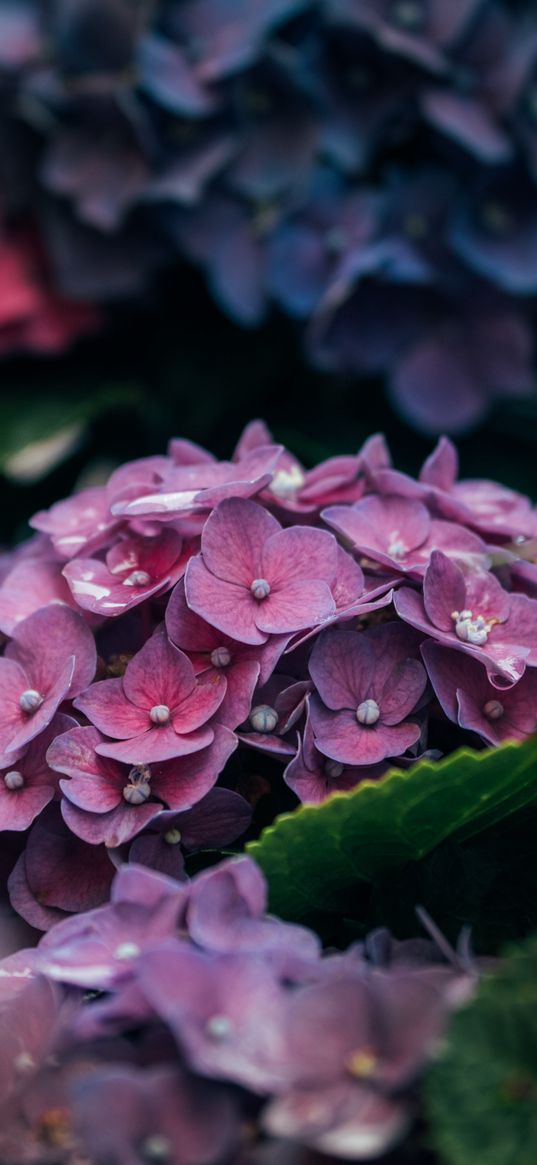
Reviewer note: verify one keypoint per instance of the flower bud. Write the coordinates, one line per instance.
(263, 718)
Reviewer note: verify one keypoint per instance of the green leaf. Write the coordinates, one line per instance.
(38, 429)
(481, 1098)
(315, 858)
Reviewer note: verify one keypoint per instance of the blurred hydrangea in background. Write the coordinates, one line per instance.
(368, 167)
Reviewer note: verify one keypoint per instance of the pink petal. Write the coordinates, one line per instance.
(186, 629)
(105, 704)
(227, 606)
(114, 828)
(403, 690)
(158, 674)
(185, 780)
(295, 606)
(29, 586)
(444, 591)
(339, 736)
(233, 539)
(19, 808)
(242, 678)
(94, 589)
(32, 725)
(157, 745)
(202, 702)
(341, 667)
(299, 553)
(43, 643)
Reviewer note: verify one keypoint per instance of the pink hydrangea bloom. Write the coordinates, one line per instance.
(50, 658)
(254, 579)
(158, 710)
(29, 783)
(109, 801)
(135, 569)
(81, 524)
(399, 533)
(212, 653)
(31, 583)
(186, 489)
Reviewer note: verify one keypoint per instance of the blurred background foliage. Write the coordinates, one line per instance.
(176, 366)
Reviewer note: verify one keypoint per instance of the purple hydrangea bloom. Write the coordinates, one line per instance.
(159, 1112)
(468, 697)
(97, 948)
(367, 684)
(218, 819)
(349, 1067)
(57, 874)
(314, 777)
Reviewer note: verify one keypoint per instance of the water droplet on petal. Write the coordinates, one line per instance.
(137, 578)
(127, 950)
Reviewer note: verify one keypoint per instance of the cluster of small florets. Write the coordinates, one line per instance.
(339, 620)
(353, 161)
(182, 1025)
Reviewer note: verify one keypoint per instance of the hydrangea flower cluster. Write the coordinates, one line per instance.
(185, 1026)
(352, 161)
(166, 631)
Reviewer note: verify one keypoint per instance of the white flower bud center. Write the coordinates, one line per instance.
(218, 1027)
(260, 589)
(160, 714)
(408, 13)
(333, 769)
(263, 718)
(220, 657)
(31, 700)
(368, 712)
(13, 780)
(156, 1148)
(172, 837)
(286, 482)
(137, 578)
(396, 547)
(138, 788)
(127, 950)
(470, 628)
(493, 710)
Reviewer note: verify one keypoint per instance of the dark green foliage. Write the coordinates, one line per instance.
(482, 1096)
(318, 858)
